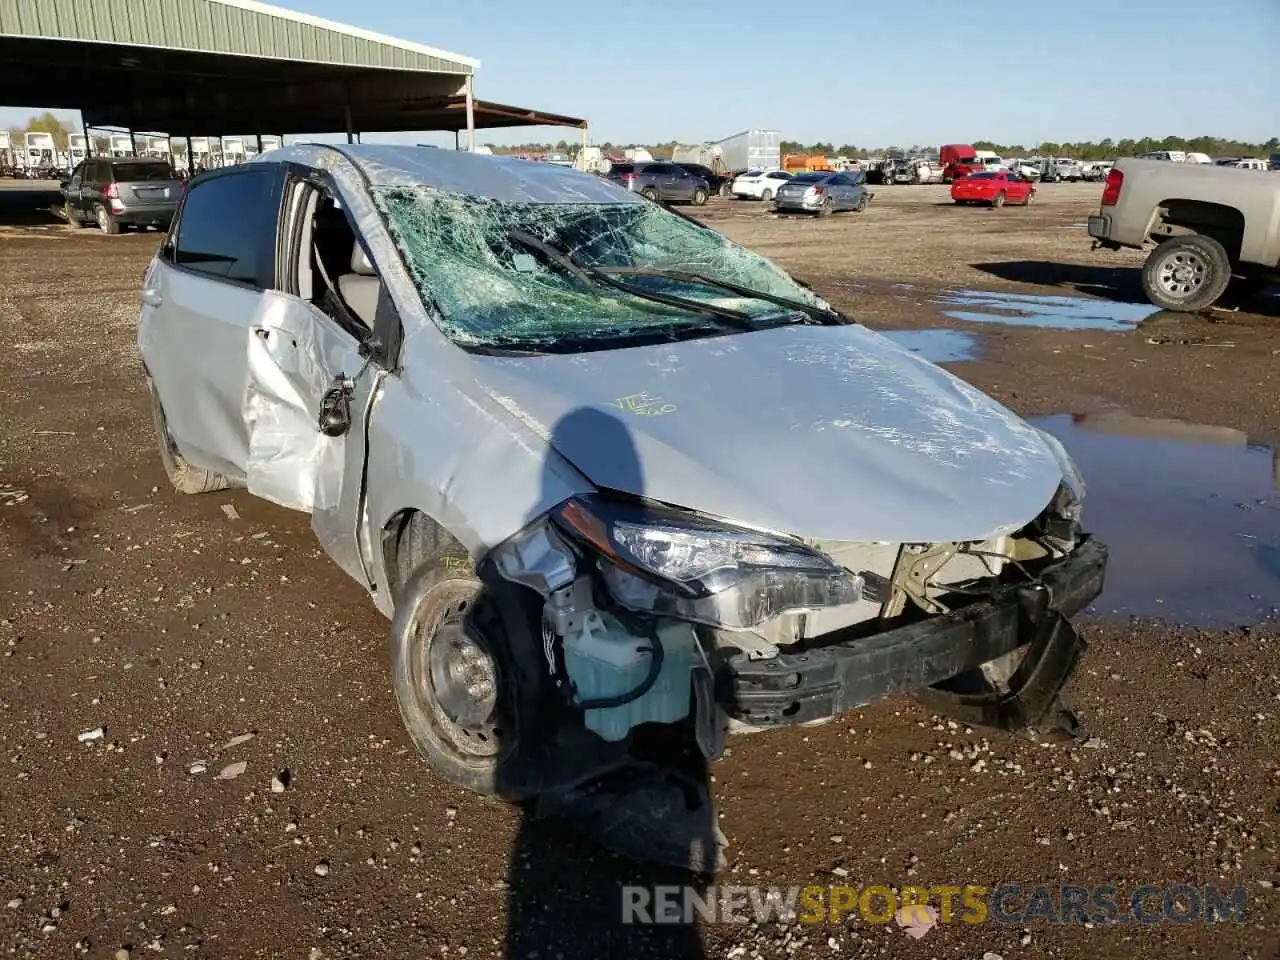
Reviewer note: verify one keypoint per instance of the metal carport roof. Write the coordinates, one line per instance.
(213, 66)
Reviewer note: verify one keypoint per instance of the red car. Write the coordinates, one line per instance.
(994, 187)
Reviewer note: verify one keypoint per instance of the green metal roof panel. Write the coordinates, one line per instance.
(241, 27)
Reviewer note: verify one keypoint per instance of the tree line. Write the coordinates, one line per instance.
(1083, 150)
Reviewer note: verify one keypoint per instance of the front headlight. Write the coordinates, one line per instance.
(663, 561)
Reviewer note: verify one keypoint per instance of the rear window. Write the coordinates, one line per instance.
(982, 176)
(810, 177)
(751, 173)
(133, 172)
(623, 168)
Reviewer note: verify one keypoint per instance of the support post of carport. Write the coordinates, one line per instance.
(457, 144)
(471, 113)
(190, 167)
(346, 112)
(259, 136)
(88, 140)
(133, 143)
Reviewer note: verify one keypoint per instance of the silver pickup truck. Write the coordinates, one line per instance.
(1209, 224)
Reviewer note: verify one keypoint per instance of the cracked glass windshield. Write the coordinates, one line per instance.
(545, 276)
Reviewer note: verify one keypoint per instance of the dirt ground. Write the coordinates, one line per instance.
(178, 625)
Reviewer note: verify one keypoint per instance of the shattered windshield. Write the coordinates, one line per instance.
(469, 263)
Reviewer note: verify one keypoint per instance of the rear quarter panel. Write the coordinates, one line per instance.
(1149, 184)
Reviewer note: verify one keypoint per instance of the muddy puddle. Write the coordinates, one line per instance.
(1191, 514)
(936, 346)
(1043, 310)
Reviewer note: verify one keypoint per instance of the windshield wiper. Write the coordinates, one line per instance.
(822, 315)
(595, 276)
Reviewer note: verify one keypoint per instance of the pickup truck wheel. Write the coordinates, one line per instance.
(453, 679)
(184, 477)
(726, 191)
(998, 200)
(1186, 273)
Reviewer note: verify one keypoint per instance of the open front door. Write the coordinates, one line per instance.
(314, 370)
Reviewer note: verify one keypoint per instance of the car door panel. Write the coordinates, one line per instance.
(192, 335)
(294, 354)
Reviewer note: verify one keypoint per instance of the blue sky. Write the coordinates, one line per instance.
(899, 72)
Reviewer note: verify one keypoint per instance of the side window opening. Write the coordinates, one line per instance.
(226, 228)
(333, 271)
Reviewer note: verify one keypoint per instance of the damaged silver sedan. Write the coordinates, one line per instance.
(606, 472)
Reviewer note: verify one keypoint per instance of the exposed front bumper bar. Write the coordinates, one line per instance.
(823, 682)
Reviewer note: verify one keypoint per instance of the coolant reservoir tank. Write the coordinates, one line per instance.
(604, 659)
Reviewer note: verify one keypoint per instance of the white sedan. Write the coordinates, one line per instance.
(759, 184)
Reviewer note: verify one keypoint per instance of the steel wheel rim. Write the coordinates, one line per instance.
(456, 682)
(1182, 273)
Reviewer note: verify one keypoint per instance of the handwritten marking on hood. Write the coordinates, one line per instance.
(644, 405)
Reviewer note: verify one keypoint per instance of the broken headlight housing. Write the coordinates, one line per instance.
(1070, 495)
(668, 562)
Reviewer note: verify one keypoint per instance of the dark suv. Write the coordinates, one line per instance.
(113, 192)
(719, 183)
(661, 181)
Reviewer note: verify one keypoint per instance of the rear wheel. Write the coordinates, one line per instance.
(649, 193)
(726, 191)
(106, 222)
(184, 477)
(71, 216)
(999, 199)
(861, 204)
(1186, 273)
(767, 195)
(699, 197)
(827, 208)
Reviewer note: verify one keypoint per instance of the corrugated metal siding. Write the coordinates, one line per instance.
(210, 27)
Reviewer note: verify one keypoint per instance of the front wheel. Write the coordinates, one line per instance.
(453, 683)
(1186, 273)
(999, 200)
(699, 197)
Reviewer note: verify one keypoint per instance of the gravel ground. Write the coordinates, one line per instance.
(204, 756)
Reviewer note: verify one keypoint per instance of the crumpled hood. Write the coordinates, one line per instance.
(827, 433)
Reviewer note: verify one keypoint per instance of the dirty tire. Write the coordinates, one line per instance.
(699, 197)
(106, 222)
(72, 219)
(862, 204)
(439, 654)
(184, 477)
(1186, 273)
(767, 195)
(827, 208)
(999, 199)
(649, 194)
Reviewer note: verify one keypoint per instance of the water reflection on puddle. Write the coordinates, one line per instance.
(1191, 514)
(936, 346)
(1038, 310)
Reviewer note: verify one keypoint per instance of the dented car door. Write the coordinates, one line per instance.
(199, 299)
